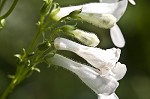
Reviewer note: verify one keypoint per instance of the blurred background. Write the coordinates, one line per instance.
(58, 83)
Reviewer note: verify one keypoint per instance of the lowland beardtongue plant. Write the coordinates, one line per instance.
(103, 70)
(104, 15)
(103, 77)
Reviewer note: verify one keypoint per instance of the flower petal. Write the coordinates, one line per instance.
(132, 2)
(112, 96)
(99, 8)
(117, 36)
(64, 11)
(108, 1)
(115, 8)
(119, 70)
(121, 8)
(99, 84)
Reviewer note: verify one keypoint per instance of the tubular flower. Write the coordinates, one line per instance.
(104, 60)
(104, 15)
(102, 77)
(104, 85)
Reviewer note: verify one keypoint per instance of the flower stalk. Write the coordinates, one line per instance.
(27, 63)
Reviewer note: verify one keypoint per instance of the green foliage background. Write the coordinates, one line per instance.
(57, 83)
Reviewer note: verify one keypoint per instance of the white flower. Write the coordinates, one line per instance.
(87, 38)
(104, 15)
(96, 13)
(104, 60)
(103, 77)
(105, 85)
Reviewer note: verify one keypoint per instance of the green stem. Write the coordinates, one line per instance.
(22, 70)
(8, 90)
(19, 77)
(36, 35)
(10, 10)
(2, 5)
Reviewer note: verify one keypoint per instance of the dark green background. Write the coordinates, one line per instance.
(57, 83)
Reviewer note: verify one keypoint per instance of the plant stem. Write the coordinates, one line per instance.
(19, 77)
(23, 70)
(10, 10)
(36, 35)
(2, 3)
(8, 90)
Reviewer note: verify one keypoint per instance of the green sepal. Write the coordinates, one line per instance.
(19, 57)
(75, 14)
(22, 57)
(68, 28)
(46, 7)
(55, 10)
(49, 55)
(44, 45)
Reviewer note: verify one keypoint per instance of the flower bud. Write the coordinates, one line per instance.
(68, 28)
(100, 20)
(75, 14)
(89, 39)
(3, 22)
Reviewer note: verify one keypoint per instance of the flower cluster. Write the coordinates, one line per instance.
(104, 15)
(105, 70)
